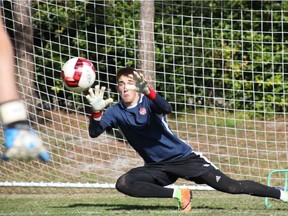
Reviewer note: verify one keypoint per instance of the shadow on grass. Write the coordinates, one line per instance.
(117, 207)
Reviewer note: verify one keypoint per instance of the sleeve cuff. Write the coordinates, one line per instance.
(12, 111)
(97, 116)
(152, 94)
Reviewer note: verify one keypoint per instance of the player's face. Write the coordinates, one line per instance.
(129, 97)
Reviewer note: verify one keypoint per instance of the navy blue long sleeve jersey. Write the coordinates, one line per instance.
(145, 129)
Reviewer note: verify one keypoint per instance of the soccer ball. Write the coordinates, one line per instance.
(78, 74)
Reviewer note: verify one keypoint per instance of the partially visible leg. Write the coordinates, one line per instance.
(219, 181)
(140, 183)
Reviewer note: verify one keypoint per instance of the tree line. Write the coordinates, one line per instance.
(234, 50)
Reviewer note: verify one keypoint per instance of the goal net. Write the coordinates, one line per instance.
(221, 64)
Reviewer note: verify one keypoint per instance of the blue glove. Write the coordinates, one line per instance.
(23, 143)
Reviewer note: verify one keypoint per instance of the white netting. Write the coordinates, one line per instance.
(221, 64)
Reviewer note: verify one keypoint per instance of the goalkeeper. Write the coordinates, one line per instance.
(20, 140)
(141, 117)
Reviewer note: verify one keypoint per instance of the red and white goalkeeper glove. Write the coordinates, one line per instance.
(21, 141)
(142, 86)
(97, 102)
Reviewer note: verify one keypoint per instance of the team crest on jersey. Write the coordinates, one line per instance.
(142, 111)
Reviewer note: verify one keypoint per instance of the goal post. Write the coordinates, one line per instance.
(221, 64)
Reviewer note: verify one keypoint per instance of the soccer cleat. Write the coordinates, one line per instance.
(184, 201)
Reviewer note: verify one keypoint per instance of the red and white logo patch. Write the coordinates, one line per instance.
(142, 111)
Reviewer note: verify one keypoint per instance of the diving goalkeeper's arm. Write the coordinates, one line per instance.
(160, 105)
(98, 104)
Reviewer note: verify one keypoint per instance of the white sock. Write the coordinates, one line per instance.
(176, 193)
(284, 196)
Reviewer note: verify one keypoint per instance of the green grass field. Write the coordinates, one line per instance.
(204, 203)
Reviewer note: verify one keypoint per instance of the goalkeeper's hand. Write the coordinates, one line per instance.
(141, 84)
(96, 100)
(21, 141)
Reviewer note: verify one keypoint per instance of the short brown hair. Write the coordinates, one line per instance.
(125, 72)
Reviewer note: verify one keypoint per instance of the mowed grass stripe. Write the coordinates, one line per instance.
(204, 203)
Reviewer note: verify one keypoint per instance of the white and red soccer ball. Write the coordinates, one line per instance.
(78, 74)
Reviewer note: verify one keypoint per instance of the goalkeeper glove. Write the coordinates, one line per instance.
(142, 86)
(97, 102)
(21, 141)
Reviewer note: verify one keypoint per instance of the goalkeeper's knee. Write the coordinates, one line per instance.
(121, 184)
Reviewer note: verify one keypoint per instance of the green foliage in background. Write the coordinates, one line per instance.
(244, 64)
(224, 56)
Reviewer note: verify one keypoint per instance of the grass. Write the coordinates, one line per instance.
(204, 203)
(246, 141)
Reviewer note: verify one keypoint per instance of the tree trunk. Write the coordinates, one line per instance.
(24, 54)
(146, 41)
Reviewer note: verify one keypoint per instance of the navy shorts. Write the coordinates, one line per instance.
(167, 172)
